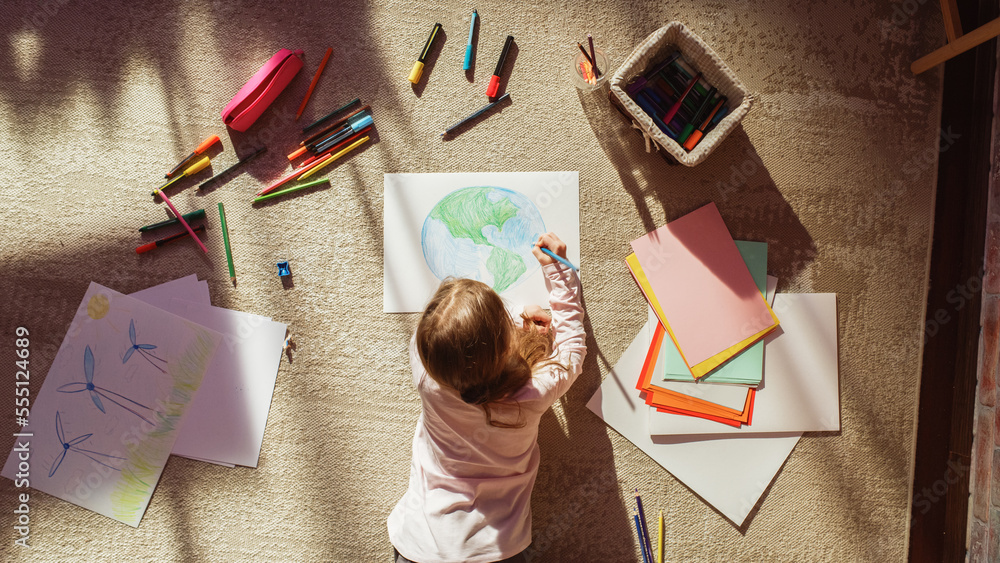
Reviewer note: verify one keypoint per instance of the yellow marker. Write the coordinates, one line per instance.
(333, 157)
(418, 67)
(190, 171)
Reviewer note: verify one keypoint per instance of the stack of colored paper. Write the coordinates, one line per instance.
(708, 293)
(725, 385)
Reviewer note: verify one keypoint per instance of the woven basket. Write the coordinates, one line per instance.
(656, 47)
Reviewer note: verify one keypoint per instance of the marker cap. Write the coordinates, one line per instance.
(468, 57)
(418, 69)
(491, 91)
(691, 141)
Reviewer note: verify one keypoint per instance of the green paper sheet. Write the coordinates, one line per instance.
(747, 367)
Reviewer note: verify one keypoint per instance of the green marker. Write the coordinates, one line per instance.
(689, 128)
(200, 214)
(225, 239)
(290, 190)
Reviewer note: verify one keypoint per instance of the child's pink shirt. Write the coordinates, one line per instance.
(469, 498)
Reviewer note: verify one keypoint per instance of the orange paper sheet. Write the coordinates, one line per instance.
(666, 400)
(694, 278)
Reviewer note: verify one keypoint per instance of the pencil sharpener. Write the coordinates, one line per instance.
(283, 269)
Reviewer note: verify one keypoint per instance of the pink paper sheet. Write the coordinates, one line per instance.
(702, 284)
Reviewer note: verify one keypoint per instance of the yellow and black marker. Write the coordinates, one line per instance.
(418, 67)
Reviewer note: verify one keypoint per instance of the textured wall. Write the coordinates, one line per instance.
(834, 167)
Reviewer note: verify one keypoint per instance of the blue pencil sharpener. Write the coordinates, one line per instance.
(283, 269)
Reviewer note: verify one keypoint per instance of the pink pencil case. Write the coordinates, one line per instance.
(257, 94)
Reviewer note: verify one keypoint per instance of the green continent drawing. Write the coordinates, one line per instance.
(506, 268)
(484, 233)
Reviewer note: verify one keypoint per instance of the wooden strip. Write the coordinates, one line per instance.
(972, 39)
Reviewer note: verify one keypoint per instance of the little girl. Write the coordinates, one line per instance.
(475, 449)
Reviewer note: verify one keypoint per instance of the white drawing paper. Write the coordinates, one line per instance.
(801, 387)
(729, 473)
(106, 417)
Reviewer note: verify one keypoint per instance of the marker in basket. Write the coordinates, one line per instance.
(696, 135)
(491, 90)
(689, 128)
(680, 100)
(418, 67)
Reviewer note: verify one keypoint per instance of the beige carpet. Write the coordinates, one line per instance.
(834, 167)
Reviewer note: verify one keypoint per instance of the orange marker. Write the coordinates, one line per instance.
(312, 84)
(201, 148)
(696, 135)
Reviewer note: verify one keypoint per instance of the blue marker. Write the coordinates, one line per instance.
(564, 261)
(468, 47)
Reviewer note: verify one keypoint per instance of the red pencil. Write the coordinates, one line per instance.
(312, 84)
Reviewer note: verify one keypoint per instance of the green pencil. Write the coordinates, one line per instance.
(225, 238)
(287, 191)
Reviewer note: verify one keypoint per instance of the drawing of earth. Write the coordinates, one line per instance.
(483, 233)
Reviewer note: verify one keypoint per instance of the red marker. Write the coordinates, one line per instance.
(147, 247)
(491, 91)
(677, 105)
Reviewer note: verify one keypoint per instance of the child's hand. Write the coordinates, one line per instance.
(553, 243)
(537, 318)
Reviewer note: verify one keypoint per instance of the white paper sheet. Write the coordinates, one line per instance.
(729, 473)
(420, 248)
(228, 416)
(801, 387)
(772, 288)
(106, 417)
(187, 287)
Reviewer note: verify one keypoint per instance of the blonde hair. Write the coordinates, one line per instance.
(467, 341)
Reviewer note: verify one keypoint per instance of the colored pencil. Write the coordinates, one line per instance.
(316, 123)
(555, 256)
(181, 219)
(478, 112)
(585, 53)
(333, 157)
(158, 243)
(638, 531)
(239, 163)
(287, 191)
(200, 214)
(593, 56)
(312, 84)
(659, 543)
(225, 239)
(642, 520)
